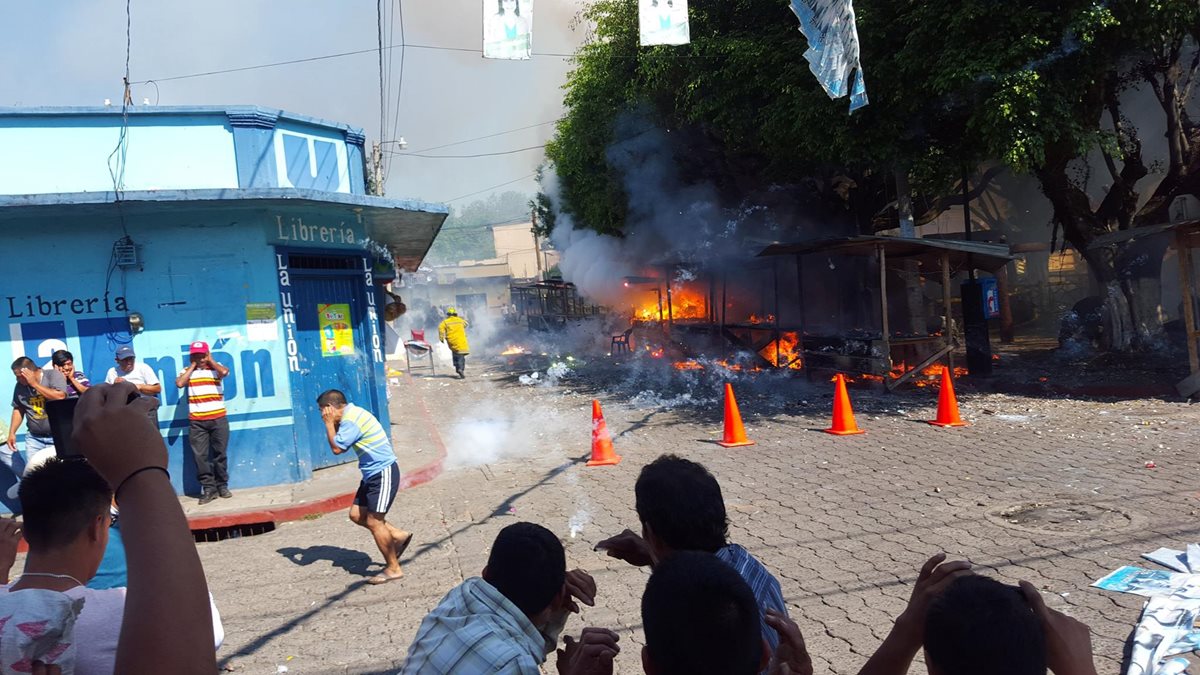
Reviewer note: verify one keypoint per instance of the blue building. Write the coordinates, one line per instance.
(245, 227)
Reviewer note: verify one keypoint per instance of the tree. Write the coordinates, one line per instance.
(1034, 86)
(466, 234)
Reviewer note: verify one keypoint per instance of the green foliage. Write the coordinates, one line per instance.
(467, 235)
(952, 83)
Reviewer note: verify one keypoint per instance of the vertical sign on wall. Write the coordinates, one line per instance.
(372, 316)
(664, 22)
(289, 316)
(507, 29)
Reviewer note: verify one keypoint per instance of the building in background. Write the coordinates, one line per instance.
(245, 227)
(483, 285)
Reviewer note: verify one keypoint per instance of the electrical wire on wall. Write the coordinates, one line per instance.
(116, 170)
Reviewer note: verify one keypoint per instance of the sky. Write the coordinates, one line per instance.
(72, 52)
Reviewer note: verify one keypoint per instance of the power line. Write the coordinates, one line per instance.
(487, 189)
(383, 91)
(557, 55)
(480, 138)
(485, 154)
(399, 83)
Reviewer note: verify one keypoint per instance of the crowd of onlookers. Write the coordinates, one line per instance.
(709, 606)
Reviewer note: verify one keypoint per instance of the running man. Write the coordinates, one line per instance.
(453, 332)
(349, 426)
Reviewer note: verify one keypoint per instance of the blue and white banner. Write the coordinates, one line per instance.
(508, 29)
(663, 22)
(833, 54)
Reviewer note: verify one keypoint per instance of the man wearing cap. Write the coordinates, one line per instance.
(208, 427)
(140, 375)
(453, 332)
(129, 370)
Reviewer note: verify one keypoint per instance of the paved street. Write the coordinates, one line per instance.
(843, 522)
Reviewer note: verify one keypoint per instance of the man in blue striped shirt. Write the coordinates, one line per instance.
(347, 427)
(680, 505)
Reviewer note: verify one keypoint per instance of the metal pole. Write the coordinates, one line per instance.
(967, 220)
(1184, 255)
(775, 282)
(947, 330)
(883, 303)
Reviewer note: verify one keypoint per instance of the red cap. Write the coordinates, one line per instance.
(199, 347)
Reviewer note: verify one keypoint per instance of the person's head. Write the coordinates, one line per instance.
(24, 368)
(979, 626)
(450, 311)
(64, 505)
(506, 6)
(125, 358)
(680, 505)
(700, 617)
(529, 567)
(332, 400)
(64, 361)
(198, 351)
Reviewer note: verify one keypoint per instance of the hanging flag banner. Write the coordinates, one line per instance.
(664, 22)
(833, 47)
(507, 29)
(337, 336)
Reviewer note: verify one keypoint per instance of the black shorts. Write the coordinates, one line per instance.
(377, 493)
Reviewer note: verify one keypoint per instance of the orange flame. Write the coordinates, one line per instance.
(756, 319)
(688, 365)
(514, 350)
(685, 304)
(784, 352)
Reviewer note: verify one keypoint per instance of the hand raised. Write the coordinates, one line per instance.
(1068, 640)
(114, 432)
(791, 657)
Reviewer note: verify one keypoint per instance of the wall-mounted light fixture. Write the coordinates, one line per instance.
(137, 323)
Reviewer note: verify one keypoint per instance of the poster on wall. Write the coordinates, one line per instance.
(260, 322)
(337, 337)
(507, 29)
(664, 22)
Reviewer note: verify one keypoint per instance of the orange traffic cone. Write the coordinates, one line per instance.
(735, 433)
(602, 447)
(843, 414)
(947, 415)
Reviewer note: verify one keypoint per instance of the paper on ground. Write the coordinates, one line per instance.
(1164, 622)
(1151, 583)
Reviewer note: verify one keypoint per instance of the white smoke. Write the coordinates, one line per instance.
(512, 428)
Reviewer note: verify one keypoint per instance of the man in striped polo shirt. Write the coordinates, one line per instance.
(348, 426)
(208, 428)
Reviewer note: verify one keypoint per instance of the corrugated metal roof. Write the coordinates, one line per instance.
(977, 254)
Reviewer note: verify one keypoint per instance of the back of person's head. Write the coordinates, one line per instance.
(332, 397)
(59, 500)
(681, 502)
(527, 565)
(61, 357)
(701, 617)
(980, 626)
(24, 362)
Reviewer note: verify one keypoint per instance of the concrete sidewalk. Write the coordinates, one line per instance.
(419, 449)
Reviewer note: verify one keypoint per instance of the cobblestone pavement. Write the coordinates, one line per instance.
(843, 522)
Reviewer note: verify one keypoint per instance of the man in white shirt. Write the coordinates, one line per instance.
(140, 375)
(66, 522)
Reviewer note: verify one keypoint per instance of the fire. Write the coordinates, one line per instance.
(685, 304)
(514, 350)
(756, 319)
(784, 352)
(688, 365)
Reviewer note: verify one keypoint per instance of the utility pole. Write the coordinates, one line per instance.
(537, 244)
(375, 182)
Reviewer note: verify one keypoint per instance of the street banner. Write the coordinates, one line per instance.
(663, 22)
(833, 54)
(507, 29)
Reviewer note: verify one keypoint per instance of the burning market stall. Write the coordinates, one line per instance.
(874, 351)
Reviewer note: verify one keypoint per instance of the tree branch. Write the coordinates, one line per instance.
(939, 205)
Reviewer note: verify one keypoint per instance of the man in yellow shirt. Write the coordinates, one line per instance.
(453, 332)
